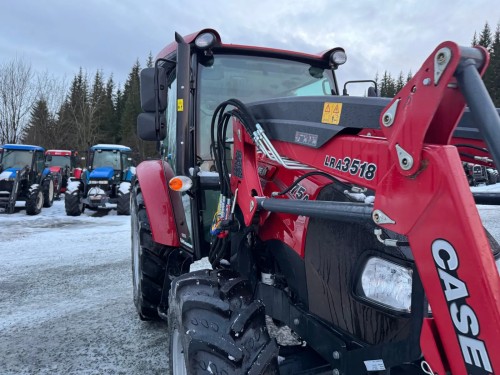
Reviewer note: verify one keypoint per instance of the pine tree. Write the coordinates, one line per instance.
(39, 125)
(400, 83)
(485, 40)
(131, 109)
(77, 115)
(150, 62)
(474, 40)
(387, 86)
(495, 67)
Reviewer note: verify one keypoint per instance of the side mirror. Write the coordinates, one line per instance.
(153, 89)
(151, 127)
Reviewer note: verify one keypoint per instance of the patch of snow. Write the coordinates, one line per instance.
(124, 187)
(72, 186)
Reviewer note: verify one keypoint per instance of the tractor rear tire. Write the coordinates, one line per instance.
(149, 260)
(73, 203)
(215, 326)
(48, 193)
(123, 204)
(34, 203)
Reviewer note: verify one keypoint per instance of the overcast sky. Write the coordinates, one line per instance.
(60, 36)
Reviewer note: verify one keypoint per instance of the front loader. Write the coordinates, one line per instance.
(341, 232)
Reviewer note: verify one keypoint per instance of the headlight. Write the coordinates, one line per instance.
(387, 283)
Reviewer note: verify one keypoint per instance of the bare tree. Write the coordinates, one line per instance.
(18, 93)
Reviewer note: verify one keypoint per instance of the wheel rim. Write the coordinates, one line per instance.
(39, 201)
(135, 250)
(178, 363)
(51, 190)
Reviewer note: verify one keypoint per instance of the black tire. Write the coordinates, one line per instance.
(492, 177)
(34, 203)
(216, 327)
(148, 261)
(123, 204)
(73, 203)
(48, 192)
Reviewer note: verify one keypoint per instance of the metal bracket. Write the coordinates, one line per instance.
(390, 114)
(380, 218)
(405, 159)
(441, 60)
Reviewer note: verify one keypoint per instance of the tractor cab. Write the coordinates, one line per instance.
(104, 182)
(63, 165)
(24, 177)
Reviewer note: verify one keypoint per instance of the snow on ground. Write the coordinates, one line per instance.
(66, 295)
(66, 303)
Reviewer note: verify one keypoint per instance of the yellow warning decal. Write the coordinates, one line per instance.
(180, 105)
(331, 113)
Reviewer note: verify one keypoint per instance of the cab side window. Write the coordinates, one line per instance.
(170, 141)
(39, 161)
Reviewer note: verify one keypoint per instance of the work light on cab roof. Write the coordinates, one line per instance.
(205, 40)
(337, 57)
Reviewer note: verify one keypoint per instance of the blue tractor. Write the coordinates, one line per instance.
(25, 177)
(104, 183)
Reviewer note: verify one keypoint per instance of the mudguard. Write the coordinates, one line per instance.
(153, 182)
(46, 172)
(129, 174)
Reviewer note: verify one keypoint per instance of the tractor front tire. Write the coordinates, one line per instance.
(123, 204)
(73, 203)
(34, 203)
(48, 193)
(149, 260)
(215, 326)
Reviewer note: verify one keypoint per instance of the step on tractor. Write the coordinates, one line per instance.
(63, 165)
(339, 233)
(24, 177)
(105, 181)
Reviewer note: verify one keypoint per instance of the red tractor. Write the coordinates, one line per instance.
(63, 165)
(347, 222)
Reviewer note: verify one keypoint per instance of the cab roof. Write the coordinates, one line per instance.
(243, 49)
(59, 152)
(9, 146)
(110, 147)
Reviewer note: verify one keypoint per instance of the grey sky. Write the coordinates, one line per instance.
(60, 36)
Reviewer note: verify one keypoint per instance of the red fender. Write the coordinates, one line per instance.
(78, 173)
(153, 182)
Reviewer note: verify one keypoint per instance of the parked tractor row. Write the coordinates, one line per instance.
(36, 176)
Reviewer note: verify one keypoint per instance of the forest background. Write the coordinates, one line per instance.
(38, 109)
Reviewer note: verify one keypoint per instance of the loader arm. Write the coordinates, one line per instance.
(420, 191)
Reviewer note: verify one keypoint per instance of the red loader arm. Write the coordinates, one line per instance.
(421, 192)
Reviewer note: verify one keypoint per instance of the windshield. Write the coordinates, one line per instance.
(254, 78)
(104, 158)
(16, 158)
(59, 161)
